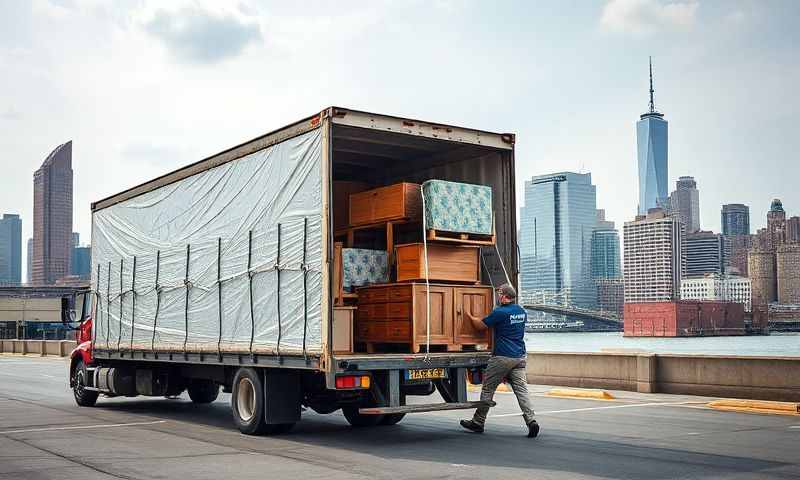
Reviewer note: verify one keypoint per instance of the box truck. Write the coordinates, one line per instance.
(220, 275)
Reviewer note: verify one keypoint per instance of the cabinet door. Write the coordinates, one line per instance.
(476, 301)
(441, 299)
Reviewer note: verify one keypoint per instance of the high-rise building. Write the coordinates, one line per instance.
(651, 143)
(81, 262)
(776, 224)
(735, 219)
(556, 226)
(704, 254)
(727, 288)
(29, 249)
(736, 248)
(605, 254)
(793, 230)
(654, 258)
(685, 203)
(76, 239)
(10, 249)
(52, 217)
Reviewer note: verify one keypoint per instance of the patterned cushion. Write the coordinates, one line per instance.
(363, 267)
(458, 207)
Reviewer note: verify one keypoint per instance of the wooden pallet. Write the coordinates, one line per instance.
(463, 238)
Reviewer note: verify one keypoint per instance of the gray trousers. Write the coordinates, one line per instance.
(512, 369)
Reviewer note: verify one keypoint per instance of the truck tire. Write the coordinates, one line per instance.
(247, 403)
(358, 420)
(83, 397)
(203, 391)
(392, 418)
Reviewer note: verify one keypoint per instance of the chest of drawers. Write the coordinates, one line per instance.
(397, 313)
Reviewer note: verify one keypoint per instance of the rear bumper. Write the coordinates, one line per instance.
(350, 363)
(430, 407)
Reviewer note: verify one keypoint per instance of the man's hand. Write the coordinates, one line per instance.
(477, 322)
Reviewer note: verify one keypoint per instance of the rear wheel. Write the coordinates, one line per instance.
(359, 420)
(83, 397)
(203, 391)
(247, 403)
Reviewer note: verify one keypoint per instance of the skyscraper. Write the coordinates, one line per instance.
(52, 217)
(10, 249)
(793, 229)
(654, 258)
(81, 262)
(685, 203)
(556, 228)
(605, 249)
(735, 219)
(29, 249)
(704, 254)
(651, 142)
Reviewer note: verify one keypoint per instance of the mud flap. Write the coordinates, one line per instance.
(282, 396)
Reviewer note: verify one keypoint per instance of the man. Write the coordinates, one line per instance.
(508, 359)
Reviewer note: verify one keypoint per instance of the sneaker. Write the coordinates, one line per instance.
(472, 426)
(533, 429)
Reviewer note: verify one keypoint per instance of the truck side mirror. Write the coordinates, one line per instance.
(67, 311)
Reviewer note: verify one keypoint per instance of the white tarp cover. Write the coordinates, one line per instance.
(281, 184)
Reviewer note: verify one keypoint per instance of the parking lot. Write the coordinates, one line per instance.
(44, 435)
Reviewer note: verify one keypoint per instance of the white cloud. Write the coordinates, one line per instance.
(648, 16)
(199, 35)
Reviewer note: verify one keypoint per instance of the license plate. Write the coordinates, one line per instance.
(426, 374)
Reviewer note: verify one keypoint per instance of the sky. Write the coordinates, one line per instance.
(144, 87)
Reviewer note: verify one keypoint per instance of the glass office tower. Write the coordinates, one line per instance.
(556, 226)
(651, 142)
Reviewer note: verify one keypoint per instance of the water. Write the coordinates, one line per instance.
(775, 344)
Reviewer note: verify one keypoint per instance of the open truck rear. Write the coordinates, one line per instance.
(220, 274)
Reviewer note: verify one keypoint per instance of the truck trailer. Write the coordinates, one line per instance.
(220, 275)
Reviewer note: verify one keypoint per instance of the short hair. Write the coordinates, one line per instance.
(507, 290)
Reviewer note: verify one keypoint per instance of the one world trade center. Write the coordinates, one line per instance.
(651, 140)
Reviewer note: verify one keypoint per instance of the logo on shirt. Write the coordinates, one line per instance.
(517, 318)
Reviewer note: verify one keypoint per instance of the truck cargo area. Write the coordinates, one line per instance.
(304, 268)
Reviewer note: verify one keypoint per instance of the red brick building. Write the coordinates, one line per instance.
(684, 318)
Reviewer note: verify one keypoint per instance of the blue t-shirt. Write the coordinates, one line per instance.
(508, 322)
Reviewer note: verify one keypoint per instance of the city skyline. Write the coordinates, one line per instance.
(145, 118)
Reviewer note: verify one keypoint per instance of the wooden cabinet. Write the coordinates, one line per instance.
(398, 202)
(477, 302)
(446, 263)
(398, 314)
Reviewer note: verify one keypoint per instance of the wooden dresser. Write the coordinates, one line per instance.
(398, 202)
(446, 263)
(396, 313)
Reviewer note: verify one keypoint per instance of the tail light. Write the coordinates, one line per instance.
(352, 381)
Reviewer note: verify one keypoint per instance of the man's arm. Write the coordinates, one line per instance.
(477, 322)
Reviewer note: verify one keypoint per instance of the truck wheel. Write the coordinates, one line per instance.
(247, 402)
(83, 397)
(358, 420)
(392, 418)
(203, 391)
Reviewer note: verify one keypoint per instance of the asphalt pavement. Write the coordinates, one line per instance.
(44, 435)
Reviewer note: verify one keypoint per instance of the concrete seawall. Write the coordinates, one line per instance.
(763, 378)
(60, 348)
